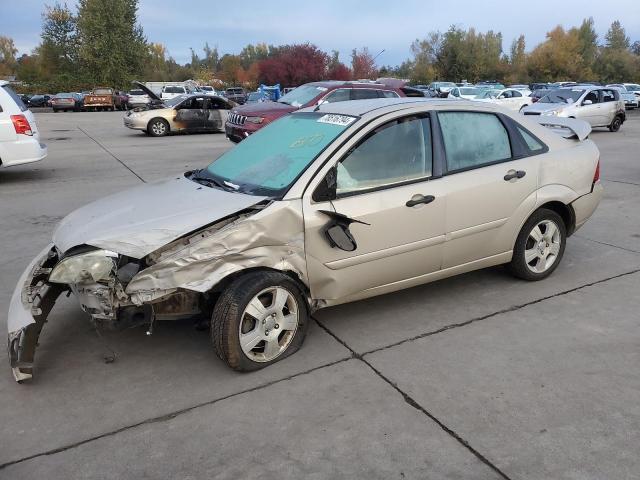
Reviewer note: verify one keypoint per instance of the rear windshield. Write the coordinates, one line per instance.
(102, 91)
(136, 92)
(174, 90)
(14, 96)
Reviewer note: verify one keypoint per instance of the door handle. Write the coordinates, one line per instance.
(418, 199)
(511, 174)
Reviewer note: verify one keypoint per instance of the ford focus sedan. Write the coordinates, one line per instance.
(328, 205)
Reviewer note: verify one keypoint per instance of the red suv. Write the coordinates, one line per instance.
(246, 119)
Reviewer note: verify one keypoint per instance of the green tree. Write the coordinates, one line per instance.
(58, 50)
(588, 40)
(518, 61)
(8, 53)
(616, 38)
(112, 47)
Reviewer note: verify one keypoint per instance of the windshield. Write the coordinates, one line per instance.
(64, 95)
(302, 95)
(255, 96)
(561, 96)
(206, 89)
(633, 87)
(469, 91)
(270, 160)
(172, 102)
(102, 91)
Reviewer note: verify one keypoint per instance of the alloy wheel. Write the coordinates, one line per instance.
(543, 246)
(268, 324)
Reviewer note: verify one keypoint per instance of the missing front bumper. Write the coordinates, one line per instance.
(30, 306)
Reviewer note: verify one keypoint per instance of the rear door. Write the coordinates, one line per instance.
(216, 113)
(490, 182)
(609, 106)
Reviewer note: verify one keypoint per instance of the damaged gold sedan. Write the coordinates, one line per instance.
(325, 206)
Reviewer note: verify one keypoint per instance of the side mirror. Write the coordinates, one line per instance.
(326, 189)
(340, 237)
(587, 102)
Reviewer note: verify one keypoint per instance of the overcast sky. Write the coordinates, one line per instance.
(335, 24)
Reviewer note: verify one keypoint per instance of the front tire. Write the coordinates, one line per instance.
(616, 123)
(539, 246)
(261, 318)
(158, 127)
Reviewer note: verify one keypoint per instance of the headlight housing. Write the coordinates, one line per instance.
(254, 119)
(551, 112)
(85, 267)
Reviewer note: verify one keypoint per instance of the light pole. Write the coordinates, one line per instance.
(380, 53)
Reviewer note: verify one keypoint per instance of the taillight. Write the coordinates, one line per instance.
(596, 176)
(21, 124)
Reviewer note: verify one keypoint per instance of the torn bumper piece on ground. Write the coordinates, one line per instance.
(32, 300)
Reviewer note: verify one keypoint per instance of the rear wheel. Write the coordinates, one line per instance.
(261, 318)
(539, 246)
(158, 127)
(616, 123)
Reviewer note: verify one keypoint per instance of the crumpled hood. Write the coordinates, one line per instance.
(140, 220)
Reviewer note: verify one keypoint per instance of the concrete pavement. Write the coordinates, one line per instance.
(479, 376)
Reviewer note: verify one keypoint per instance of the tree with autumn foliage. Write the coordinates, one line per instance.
(294, 65)
(363, 65)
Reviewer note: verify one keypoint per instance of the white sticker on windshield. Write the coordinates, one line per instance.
(334, 119)
(322, 89)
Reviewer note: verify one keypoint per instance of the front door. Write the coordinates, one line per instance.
(489, 192)
(190, 114)
(383, 180)
(590, 112)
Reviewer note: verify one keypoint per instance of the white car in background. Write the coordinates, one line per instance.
(19, 136)
(465, 93)
(509, 98)
(137, 98)
(633, 88)
(172, 91)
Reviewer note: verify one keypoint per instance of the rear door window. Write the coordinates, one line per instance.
(14, 96)
(473, 139)
(364, 94)
(608, 96)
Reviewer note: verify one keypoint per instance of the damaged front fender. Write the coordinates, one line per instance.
(271, 238)
(30, 306)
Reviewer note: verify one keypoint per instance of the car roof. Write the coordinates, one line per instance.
(360, 108)
(349, 83)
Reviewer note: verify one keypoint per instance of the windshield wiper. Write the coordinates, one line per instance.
(210, 181)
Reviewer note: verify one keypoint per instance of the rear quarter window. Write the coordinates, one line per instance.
(14, 96)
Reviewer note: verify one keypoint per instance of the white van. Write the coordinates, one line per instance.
(172, 91)
(19, 136)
